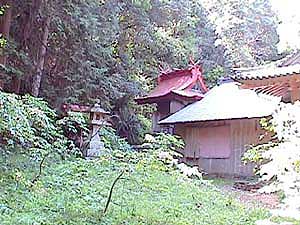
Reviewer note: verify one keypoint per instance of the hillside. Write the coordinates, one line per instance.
(149, 192)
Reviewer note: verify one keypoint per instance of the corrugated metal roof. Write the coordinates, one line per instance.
(227, 101)
(265, 72)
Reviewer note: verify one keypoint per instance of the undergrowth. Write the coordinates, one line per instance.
(75, 191)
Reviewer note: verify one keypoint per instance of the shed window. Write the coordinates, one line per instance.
(215, 142)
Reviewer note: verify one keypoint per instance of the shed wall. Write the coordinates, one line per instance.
(242, 133)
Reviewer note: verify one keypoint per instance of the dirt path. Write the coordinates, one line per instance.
(251, 198)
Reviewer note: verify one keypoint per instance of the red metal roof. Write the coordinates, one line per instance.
(177, 84)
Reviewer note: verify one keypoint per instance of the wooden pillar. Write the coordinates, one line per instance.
(294, 90)
(175, 106)
(155, 120)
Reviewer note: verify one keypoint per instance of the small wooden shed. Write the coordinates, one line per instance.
(217, 129)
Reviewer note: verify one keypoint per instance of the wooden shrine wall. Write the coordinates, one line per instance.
(241, 133)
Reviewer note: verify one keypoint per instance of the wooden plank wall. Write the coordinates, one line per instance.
(242, 133)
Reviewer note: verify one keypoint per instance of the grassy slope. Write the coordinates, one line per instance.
(75, 192)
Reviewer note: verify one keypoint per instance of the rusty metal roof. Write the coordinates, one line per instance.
(227, 101)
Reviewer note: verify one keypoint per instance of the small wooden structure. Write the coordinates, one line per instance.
(218, 128)
(65, 108)
(175, 90)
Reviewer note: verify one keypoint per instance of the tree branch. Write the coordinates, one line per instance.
(40, 171)
(111, 190)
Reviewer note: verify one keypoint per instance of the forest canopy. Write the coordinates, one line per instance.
(80, 51)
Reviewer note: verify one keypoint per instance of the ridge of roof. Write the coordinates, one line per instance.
(169, 74)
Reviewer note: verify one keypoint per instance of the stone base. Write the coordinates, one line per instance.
(96, 147)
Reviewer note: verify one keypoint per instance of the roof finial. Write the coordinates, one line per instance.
(192, 61)
(164, 69)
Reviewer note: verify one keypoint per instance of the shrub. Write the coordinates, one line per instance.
(281, 158)
(28, 125)
(75, 191)
(75, 128)
(112, 141)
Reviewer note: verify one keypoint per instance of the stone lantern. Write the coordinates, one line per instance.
(98, 119)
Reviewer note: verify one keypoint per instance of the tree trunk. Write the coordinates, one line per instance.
(5, 22)
(37, 77)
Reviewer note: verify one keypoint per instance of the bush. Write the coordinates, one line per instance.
(28, 125)
(75, 128)
(281, 158)
(112, 141)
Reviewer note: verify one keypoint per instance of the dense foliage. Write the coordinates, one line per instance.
(79, 51)
(280, 159)
(29, 125)
(247, 30)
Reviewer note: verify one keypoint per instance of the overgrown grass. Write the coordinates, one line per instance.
(75, 192)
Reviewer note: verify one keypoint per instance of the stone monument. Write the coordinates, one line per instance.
(98, 119)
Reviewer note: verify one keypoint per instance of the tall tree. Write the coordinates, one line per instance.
(78, 51)
(246, 28)
(37, 77)
(5, 22)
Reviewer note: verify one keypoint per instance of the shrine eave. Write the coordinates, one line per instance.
(189, 96)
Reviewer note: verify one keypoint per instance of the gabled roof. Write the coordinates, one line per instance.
(177, 84)
(289, 65)
(227, 101)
